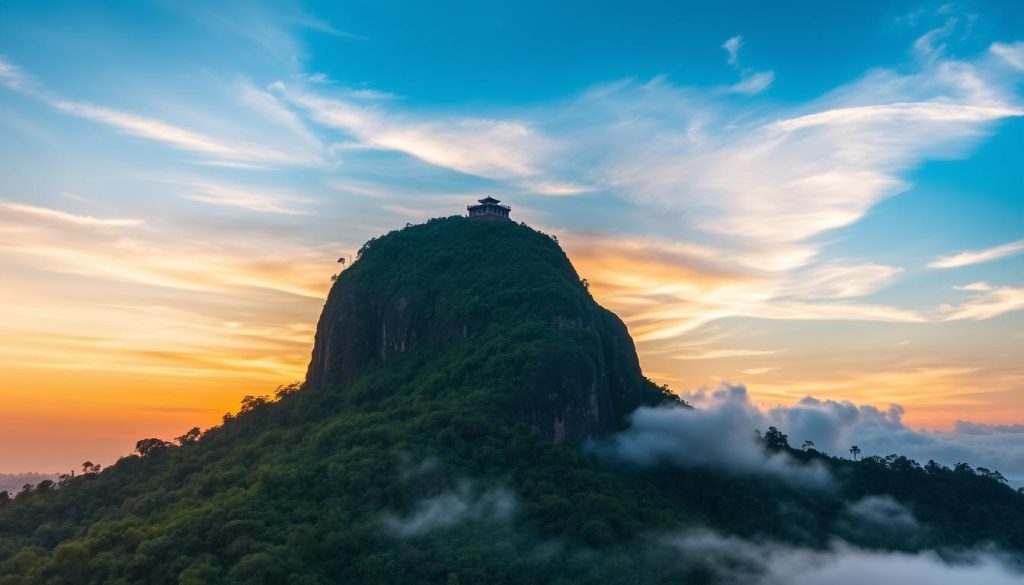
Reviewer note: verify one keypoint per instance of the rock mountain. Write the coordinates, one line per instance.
(438, 286)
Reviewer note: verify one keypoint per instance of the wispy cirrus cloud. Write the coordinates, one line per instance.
(196, 317)
(666, 289)
(664, 294)
(978, 256)
(248, 198)
(268, 28)
(751, 82)
(272, 109)
(59, 216)
(12, 75)
(1011, 53)
(104, 247)
(732, 47)
(169, 134)
(555, 188)
(710, 354)
(493, 148)
(762, 190)
(838, 311)
(774, 184)
(835, 280)
(250, 152)
(929, 45)
(988, 302)
(798, 177)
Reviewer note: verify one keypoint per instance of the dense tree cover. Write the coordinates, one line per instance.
(308, 487)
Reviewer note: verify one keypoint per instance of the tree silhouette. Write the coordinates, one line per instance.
(147, 447)
(963, 467)
(776, 439)
(287, 389)
(90, 467)
(190, 436)
(855, 451)
(808, 445)
(250, 403)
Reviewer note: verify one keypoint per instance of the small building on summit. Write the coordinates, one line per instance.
(489, 208)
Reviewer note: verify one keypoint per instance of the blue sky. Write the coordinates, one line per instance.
(808, 197)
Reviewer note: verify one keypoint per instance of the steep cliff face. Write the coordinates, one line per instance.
(451, 284)
(358, 329)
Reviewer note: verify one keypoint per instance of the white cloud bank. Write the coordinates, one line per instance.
(718, 436)
(834, 426)
(719, 433)
(737, 561)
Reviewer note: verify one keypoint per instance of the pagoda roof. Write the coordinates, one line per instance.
(489, 200)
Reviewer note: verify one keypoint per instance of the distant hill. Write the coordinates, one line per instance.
(14, 482)
(449, 431)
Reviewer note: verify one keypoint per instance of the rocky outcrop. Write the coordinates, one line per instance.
(579, 383)
(575, 394)
(358, 329)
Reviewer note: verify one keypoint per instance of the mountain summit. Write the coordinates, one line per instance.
(457, 283)
(471, 415)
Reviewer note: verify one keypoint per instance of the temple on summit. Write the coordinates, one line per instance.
(489, 208)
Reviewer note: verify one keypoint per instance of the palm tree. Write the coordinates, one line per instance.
(855, 450)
